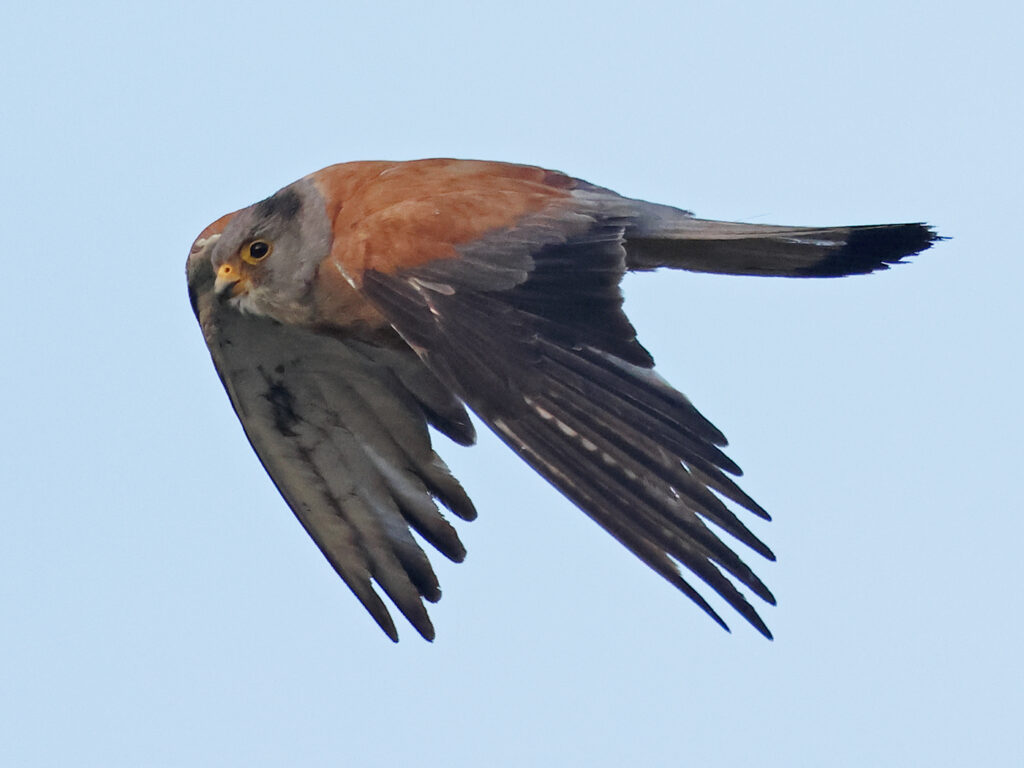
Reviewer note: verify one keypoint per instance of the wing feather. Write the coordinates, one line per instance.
(341, 427)
(552, 365)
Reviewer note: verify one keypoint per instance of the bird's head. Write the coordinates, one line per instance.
(265, 257)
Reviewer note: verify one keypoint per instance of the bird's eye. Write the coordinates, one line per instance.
(256, 251)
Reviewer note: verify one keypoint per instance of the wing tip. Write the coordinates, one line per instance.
(419, 620)
(755, 621)
(427, 632)
(386, 623)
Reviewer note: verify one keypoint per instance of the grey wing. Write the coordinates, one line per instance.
(341, 427)
(527, 327)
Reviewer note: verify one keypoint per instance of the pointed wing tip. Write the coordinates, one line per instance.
(758, 623)
(752, 617)
(426, 631)
(755, 621)
(753, 507)
(389, 630)
(421, 623)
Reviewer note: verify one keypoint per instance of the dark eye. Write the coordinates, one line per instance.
(256, 251)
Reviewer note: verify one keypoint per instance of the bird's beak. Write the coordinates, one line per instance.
(229, 281)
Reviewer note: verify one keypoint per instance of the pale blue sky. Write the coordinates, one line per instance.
(160, 605)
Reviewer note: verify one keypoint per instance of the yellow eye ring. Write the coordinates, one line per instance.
(256, 251)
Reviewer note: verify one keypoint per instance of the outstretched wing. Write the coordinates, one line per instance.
(526, 326)
(341, 427)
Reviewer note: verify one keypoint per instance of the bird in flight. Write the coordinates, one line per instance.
(354, 308)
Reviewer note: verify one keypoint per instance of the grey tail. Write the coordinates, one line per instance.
(665, 237)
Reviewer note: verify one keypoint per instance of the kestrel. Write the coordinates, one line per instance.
(351, 309)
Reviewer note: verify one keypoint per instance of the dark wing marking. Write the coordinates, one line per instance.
(770, 251)
(341, 427)
(536, 342)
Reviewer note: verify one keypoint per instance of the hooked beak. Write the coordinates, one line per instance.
(229, 281)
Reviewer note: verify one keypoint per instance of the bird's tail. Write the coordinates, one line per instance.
(666, 237)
